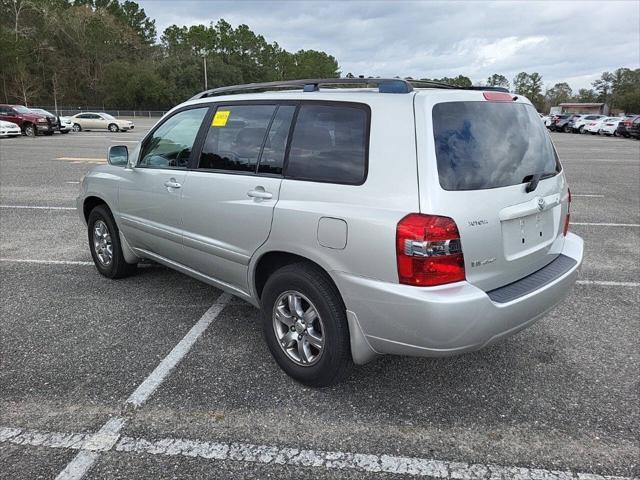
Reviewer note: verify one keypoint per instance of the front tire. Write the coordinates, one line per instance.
(105, 246)
(305, 325)
(581, 129)
(30, 130)
(77, 127)
(113, 127)
(567, 129)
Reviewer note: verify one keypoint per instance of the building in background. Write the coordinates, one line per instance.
(593, 108)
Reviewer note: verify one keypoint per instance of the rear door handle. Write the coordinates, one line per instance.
(172, 183)
(259, 192)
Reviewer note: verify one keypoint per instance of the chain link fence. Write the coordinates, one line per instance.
(68, 111)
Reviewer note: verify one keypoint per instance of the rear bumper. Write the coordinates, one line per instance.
(450, 319)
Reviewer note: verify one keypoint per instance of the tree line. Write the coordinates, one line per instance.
(619, 89)
(107, 53)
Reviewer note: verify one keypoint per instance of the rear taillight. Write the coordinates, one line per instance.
(428, 251)
(565, 230)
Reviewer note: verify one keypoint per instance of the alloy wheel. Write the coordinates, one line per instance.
(298, 328)
(102, 245)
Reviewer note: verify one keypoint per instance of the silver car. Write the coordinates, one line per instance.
(383, 220)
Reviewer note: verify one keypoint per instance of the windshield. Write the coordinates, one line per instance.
(42, 112)
(107, 116)
(21, 109)
(481, 145)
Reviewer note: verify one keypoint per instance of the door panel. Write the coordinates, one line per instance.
(150, 210)
(223, 225)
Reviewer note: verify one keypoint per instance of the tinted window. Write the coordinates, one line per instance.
(235, 137)
(276, 143)
(329, 144)
(170, 144)
(483, 145)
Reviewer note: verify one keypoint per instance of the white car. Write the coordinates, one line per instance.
(594, 126)
(609, 125)
(9, 129)
(99, 121)
(66, 125)
(582, 124)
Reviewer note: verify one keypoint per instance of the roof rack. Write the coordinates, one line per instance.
(385, 85)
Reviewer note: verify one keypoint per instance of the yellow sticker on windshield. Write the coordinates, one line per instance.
(220, 118)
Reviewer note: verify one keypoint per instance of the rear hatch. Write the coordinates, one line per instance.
(477, 159)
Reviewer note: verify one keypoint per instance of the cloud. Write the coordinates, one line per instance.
(563, 41)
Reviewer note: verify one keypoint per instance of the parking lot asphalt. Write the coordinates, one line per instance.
(558, 399)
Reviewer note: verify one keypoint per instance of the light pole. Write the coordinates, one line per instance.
(204, 61)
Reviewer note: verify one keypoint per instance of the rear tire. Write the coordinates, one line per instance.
(316, 295)
(567, 129)
(105, 246)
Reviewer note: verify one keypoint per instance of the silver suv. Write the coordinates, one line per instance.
(361, 221)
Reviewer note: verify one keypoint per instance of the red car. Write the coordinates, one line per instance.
(29, 122)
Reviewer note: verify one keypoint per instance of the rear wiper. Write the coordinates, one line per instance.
(533, 180)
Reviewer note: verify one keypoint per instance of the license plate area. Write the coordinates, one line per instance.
(525, 235)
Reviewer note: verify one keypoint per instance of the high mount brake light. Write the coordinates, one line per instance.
(428, 251)
(498, 96)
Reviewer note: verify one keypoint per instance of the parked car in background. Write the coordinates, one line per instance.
(609, 126)
(53, 119)
(558, 118)
(288, 200)
(562, 122)
(579, 125)
(9, 129)
(30, 123)
(595, 126)
(66, 125)
(548, 120)
(632, 126)
(99, 121)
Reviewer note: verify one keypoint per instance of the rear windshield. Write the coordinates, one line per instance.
(481, 145)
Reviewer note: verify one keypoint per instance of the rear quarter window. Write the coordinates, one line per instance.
(482, 145)
(330, 144)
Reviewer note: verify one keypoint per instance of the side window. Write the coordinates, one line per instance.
(275, 146)
(235, 137)
(170, 144)
(329, 144)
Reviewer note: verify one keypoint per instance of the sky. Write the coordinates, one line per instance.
(571, 41)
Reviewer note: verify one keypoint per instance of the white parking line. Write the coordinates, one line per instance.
(593, 195)
(108, 435)
(92, 445)
(607, 283)
(596, 224)
(151, 383)
(45, 262)
(36, 207)
(102, 441)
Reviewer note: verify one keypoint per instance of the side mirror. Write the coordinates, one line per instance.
(118, 156)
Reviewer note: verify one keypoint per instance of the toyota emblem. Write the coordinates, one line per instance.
(541, 204)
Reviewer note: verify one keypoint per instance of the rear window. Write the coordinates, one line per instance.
(481, 145)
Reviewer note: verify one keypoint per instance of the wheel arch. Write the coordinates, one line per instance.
(268, 262)
(91, 202)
